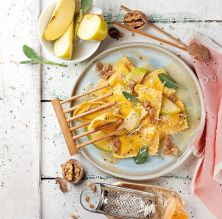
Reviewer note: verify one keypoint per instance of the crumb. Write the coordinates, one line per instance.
(91, 186)
(87, 198)
(92, 206)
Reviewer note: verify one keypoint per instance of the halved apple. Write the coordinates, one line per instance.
(92, 27)
(61, 19)
(63, 47)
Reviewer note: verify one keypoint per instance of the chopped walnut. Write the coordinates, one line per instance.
(173, 98)
(105, 75)
(135, 19)
(151, 111)
(108, 67)
(72, 171)
(199, 52)
(131, 85)
(91, 186)
(169, 148)
(132, 17)
(116, 144)
(99, 66)
(62, 184)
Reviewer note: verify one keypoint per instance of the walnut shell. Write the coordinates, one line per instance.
(72, 171)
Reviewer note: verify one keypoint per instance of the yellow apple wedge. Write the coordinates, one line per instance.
(92, 27)
(61, 19)
(63, 47)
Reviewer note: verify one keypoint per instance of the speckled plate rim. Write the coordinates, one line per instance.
(194, 137)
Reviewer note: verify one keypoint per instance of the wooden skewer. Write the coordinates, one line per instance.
(95, 140)
(84, 94)
(149, 35)
(91, 111)
(79, 126)
(93, 100)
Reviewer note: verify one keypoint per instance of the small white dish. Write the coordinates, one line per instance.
(82, 49)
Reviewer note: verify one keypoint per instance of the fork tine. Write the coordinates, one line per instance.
(95, 140)
(95, 99)
(84, 94)
(91, 111)
(79, 126)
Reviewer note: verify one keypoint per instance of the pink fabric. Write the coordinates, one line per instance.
(206, 184)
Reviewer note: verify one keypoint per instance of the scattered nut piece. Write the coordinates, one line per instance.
(199, 52)
(91, 186)
(169, 148)
(72, 171)
(173, 98)
(99, 66)
(92, 206)
(116, 143)
(74, 215)
(131, 85)
(105, 75)
(151, 111)
(87, 198)
(62, 184)
(108, 67)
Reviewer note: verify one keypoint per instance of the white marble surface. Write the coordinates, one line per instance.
(31, 145)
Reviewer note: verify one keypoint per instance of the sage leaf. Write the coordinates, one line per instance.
(86, 5)
(30, 53)
(168, 81)
(142, 156)
(35, 58)
(129, 96)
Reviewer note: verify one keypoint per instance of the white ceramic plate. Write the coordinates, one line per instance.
(143, 54)
(82, 49)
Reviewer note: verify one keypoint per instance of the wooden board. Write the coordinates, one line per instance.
(19, 113)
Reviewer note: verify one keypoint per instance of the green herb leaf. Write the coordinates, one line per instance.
(30, 53)
(142, 156)
(86, 5)
(168, 81)
(37, 59)
(129, 96)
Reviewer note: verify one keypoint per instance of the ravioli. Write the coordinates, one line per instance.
(132, 118)
(152, 96)
(121, 70)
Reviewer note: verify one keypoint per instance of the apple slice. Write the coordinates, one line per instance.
(61, 19)
(92, 27)
(168, 107)
(63, 47)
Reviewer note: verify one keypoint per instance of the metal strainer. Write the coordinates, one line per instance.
(118, 201)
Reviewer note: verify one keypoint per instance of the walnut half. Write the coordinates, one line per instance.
(72, 171)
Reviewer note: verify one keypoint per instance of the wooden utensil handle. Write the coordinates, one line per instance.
(64, 127)
(149, 35)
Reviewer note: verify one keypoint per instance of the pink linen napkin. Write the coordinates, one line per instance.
(207, 182)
